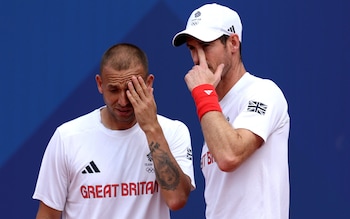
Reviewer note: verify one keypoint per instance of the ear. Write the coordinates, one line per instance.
(149, 80)
(99, 83)
(235, 43)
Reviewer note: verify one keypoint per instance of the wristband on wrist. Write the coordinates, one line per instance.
(206, 99)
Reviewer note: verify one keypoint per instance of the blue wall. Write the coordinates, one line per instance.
(50, 52)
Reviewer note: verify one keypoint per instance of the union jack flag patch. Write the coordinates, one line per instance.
(257, 107)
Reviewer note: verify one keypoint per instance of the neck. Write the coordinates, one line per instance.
(229, 79)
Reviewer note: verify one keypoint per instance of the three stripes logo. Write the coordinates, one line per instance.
(91, 168)
(231, 29)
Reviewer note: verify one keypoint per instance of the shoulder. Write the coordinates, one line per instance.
(265, 89)
(163, 120)
(171, 125)
(266, 83)
(80, 124)
(177, 135)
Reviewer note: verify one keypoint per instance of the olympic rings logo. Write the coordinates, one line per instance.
(150, 169)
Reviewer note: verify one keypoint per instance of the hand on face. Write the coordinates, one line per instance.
(141, 97)
(201, 74)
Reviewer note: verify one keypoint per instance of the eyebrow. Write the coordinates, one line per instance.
(205, 43)
(113, 86)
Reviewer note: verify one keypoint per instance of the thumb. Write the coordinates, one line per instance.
(218, 73)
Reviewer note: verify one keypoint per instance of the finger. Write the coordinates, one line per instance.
(137, 87)
(131, 87)
(131, 93)
(143, 86)
(201, 57)
(219, 70)
(218, 73)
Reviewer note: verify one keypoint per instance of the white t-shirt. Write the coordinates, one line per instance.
(259, 188)
(89, 171)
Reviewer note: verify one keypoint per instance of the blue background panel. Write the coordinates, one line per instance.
(50, 53)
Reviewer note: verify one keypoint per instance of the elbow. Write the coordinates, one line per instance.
(228, 164)
(177, 200)
(176, 203)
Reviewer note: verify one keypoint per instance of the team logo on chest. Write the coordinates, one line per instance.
(149, 165)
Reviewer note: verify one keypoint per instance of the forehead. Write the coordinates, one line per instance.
(111, 76)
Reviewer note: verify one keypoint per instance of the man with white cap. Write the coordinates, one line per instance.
(244, 120)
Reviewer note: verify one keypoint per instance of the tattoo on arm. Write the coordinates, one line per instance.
(167, 174)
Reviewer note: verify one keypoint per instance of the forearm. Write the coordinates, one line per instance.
(230, 147)
(175, 186)
(46, 212)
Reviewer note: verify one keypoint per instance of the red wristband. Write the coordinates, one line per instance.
(206, 99)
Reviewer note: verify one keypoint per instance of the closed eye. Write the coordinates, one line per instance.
(113, 89)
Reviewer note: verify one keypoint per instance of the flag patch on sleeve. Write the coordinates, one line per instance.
(257, 107)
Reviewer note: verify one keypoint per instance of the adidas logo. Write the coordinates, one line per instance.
(208, 92)
(231, 29)
(91, 168)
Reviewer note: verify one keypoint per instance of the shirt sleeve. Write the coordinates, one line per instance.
(52, 183)
(264, 111)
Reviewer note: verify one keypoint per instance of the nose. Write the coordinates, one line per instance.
(123, 99)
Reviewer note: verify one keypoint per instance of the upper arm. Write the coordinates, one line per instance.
(250, 141)
(46, 212)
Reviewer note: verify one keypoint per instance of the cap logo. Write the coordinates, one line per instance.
(196, 20)
(231, 29)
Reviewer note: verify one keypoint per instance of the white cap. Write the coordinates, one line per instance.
(209, 22)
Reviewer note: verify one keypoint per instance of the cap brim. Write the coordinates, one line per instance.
(179, 39)
(205, 35)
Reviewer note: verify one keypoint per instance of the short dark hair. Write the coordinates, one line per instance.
(123, 56)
